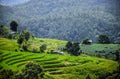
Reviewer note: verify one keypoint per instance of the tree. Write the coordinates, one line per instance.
(103, 39)
(117, 54)
(4, 31)
(13, 26)
(73, 48)
(26, 35)
(33, 70)
(20, 40)
(23, 39)
(68, 46)
(43, 47)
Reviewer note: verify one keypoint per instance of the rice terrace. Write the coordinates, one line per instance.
(55, 65)
(59, 39)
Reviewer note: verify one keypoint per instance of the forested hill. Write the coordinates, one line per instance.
(71, 20)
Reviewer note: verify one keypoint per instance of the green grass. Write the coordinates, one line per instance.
(57, 66)
(52, 44)
(91, 49)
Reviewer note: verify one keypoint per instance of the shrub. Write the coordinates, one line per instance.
(6, 74)
(25, 47)
(33, 71)
(43, 47)
(4, 31)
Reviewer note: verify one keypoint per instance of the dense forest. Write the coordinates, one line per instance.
(72, 20)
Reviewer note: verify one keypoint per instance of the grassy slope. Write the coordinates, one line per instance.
(90, 49)
(52, 44)
(58, 66)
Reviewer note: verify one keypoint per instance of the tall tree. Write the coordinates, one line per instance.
(103, 39)
(13, 26)
(23, 39)
(68, 46)
(73, 48)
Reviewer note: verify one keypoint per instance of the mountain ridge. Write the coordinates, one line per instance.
(72, 20)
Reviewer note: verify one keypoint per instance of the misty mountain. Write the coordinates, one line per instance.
(72, 20)
(12, 2)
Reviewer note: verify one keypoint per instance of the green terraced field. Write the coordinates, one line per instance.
(57, 66)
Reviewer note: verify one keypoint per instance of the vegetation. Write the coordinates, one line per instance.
(54, 66)
(62, 19)
(76, 19)
(4, 31)
(73, 48)
(31, 71)
(6, 74)
(103, 39)
(14, 26)
(43, 48)
(23, 39)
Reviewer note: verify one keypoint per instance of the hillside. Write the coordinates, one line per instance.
(72, 20)
(56, 66)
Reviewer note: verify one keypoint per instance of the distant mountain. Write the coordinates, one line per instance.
(12, 2)
(72, 20)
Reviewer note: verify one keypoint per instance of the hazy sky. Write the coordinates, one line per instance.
(12, 2)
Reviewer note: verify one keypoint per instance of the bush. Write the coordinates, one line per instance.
(4, 31)
(6, 74)
(43, 47)
(33, 71)
(34, 50)
(25, 47)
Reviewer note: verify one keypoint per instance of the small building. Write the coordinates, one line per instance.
(12, 32)
(57, 52)
(90, 41)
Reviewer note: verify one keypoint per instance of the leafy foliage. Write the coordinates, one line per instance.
(31, 71)
(72, 20)
(20, 39)
(117, 54)
(14, 26)
(73, 48)
(4, 31)
(103, 39)
(23, 39)
(43, 47)
(6, 74)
